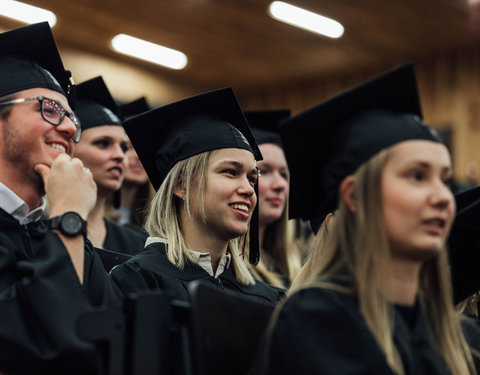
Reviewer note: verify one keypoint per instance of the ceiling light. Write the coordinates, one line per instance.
(305, 19)
(141, 49)
(26, 13)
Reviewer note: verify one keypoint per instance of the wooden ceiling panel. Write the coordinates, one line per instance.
(236, 42)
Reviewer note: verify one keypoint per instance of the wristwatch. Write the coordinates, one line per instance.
(70, 224)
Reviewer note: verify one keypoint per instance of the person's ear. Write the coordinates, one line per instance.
(179, 192)
(347, 189)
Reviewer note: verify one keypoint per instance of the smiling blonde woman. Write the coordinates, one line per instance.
(201, 157)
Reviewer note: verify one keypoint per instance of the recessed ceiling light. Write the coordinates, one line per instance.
(141, 49)
(26, 13)
(305, 19)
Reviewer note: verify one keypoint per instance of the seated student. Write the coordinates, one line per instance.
(280, 258)
(136, 192)
(49, 274)
(200, 156)
(380, 301)
(103, 150)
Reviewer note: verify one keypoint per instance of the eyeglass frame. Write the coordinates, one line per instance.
(63, 112)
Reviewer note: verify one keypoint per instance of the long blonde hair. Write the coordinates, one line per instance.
(281, 254)
(355, 247)
(164, 214)
(308, 271)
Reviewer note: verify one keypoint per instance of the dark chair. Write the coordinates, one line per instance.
(153, 334)
(135, 338)
(111, 258)
(226, 330)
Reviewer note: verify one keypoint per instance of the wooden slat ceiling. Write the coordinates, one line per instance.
(235, 42)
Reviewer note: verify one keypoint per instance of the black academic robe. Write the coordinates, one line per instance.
(471, 331)
(151, 270)
(123, 239)
(41, 299)
(321, 331)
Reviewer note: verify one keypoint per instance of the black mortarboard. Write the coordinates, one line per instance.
(266, 125)
(95, 104)
(166, 135)
(339, 135)
(133, 108)
(29, 59)
(464, 245)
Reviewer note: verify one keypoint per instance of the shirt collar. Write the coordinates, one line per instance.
(154, 239)
(16, 206)
(204, 260)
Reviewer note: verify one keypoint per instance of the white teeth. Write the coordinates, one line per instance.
(241, 207)
(58, 147)
(436, 222)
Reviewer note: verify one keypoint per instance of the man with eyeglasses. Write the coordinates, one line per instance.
(49, 273)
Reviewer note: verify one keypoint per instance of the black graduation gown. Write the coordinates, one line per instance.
(321, 331)
(151, 270)
(123, 239)
(41, 299)
(471, 331)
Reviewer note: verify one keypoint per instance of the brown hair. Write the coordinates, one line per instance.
(7, 108)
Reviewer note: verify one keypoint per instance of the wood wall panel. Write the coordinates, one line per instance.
(449, 86)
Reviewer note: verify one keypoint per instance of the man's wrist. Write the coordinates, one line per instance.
(70, 224)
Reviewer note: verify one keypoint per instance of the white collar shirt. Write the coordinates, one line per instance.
(16, 206)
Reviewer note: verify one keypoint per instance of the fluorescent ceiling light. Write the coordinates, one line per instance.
(141, 49)
(26, 13)
(305, 19)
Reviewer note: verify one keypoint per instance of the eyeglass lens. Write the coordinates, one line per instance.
(52, 112)
(55, 114)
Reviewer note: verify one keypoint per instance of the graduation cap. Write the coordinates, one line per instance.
(133, 108)
(464, 245)
(29, 59)
(342, 133)
(95, 104)
(166, 135)
(266, 125)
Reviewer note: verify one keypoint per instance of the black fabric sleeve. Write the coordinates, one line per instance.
(100, 290)
(40, 301)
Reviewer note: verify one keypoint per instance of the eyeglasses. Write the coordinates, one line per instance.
(52, 112)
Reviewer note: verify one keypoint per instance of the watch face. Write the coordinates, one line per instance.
(71, 223)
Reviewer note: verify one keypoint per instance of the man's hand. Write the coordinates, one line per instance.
(68, 186)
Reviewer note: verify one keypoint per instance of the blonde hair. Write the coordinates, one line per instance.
(163, 219)
(355, 247)
(307, 272)
(281, 255)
